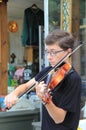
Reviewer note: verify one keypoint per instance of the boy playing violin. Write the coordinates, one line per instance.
(61, 105)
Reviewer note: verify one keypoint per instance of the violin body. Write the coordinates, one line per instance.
(59, 75)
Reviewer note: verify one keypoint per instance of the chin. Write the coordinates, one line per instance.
(52, 64)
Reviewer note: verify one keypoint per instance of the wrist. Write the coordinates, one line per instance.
(46, 101)
(47, 104)
(14, 94)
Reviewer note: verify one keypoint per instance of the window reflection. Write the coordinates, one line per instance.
(54, 14)
(83, 52)
(83, 37)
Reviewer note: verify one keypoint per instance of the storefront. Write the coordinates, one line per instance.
(69, 15)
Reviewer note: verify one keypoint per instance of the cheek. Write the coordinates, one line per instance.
(57, 59)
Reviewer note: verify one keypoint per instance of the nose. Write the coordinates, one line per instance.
(49, 56)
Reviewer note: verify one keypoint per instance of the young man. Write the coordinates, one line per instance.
(62, 110)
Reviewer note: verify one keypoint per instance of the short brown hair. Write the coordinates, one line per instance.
(64, 39)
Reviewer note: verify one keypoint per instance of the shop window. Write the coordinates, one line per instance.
(54, 14)
(83, 52)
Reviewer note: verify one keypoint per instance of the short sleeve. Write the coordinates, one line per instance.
(42, 75)
(70, 92)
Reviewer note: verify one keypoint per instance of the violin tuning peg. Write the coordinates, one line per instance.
(51, 93)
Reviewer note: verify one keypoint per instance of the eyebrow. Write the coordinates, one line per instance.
(51, 50)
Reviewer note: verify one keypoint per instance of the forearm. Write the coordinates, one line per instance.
(21, 89)
(12, 98)
(56, 113)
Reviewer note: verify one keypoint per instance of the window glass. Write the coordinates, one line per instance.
(83, 49)
(54, 14)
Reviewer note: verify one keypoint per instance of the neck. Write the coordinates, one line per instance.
(68, 60)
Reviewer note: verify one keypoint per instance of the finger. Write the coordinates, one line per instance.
(10, 100)
(36, 83)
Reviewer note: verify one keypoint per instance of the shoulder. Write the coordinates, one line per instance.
(27, 10)
(43, 72)
(73, 75)
(73, 80)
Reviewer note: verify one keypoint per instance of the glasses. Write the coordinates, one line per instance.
(52, 53)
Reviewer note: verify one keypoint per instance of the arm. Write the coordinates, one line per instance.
(56, 113)
(11, 99)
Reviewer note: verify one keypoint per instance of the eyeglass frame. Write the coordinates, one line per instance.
(53, 53)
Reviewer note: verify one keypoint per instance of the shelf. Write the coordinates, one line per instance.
(82, 26)
(33, 47)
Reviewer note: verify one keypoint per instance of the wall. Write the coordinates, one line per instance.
(15, 43)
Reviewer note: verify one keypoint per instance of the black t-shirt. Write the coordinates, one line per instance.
(66, 96)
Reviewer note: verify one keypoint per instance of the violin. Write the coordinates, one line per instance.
(59, 75)
(54, 79)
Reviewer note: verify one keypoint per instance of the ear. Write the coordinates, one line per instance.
(69, 50)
